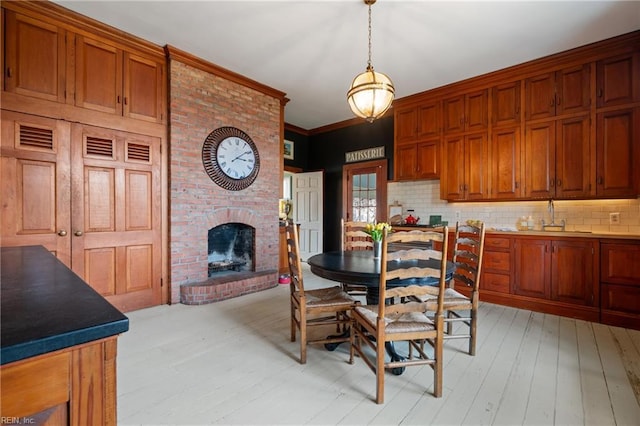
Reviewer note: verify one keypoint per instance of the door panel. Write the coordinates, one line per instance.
(364, 191)
(307, 211)
(35, 181)
(116, 239)
(573, 159)
(539, 145)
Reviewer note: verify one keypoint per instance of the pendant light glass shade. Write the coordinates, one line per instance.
(370, 95)
(371, 92)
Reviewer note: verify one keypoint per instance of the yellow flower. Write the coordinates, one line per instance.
(375, 230)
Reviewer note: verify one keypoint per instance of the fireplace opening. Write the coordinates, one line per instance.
(231, 249)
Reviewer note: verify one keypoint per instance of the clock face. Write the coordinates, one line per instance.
(230, 158)
(235, 157)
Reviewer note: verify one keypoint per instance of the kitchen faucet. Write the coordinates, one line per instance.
(553, 224)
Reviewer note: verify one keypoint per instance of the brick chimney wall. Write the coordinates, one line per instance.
(200, 102)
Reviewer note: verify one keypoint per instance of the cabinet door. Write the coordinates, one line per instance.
(116, 214)
(572, 272)
(539, 153)
(98, 76)
(142, 88)
(453, 185)
(35, 183)
(405, 124)
(428, 120)
(505, 164)
(506, 104)
(35, 58)
(572, 89)
(428, 159)
(617, 81)
(475, 116)
(405, 162)
(477, 166)
(620, 263)
(453, 112)
(531, 268)
(618, 153)
(540, 96)
(573, 158)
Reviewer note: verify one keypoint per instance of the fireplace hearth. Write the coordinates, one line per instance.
(231, 248)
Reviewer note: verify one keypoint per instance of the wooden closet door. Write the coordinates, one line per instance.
(35, 183)
(116, 214)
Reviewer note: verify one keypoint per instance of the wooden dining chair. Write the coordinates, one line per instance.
(353, 237)
(317, 307)
(377, 325)
(462, 295)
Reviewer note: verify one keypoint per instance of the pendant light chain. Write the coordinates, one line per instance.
(369, 61)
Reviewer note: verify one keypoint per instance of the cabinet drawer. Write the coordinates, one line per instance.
(496, 261)
(497, 243)
(620, 264)
(620, 298)
(495, 282)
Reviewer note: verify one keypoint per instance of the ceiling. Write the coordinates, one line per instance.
(312, 50)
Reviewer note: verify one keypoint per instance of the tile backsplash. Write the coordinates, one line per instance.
(580, 215)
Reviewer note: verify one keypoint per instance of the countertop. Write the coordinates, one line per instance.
(540, 233)
(46, 307)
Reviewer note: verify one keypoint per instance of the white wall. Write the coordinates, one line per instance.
(584, 215)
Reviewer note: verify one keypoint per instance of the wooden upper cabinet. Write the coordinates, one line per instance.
(419, 160)
(557, 93)
(617, 81)
(415, 122)
(115, 81)
(506, 104)
(98, 76)
(467, 167)
(618, 153)
(558, 159)
(506, 182)
(466, 112)
(35, 58)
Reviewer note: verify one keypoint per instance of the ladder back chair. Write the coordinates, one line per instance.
(376, 325)
(353, 237)
(461, 304)
(317, 307)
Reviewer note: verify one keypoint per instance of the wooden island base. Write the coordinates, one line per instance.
(74, 386)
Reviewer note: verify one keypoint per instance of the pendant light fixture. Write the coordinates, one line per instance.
(371, 92)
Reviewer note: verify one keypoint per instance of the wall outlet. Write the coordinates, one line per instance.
(457, 214)
(614, 218)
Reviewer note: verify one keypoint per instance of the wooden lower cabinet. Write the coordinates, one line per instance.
(551, 275)
(620, 283)
(74, 386)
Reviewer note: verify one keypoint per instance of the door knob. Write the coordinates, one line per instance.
(62, 232)
(78, 233)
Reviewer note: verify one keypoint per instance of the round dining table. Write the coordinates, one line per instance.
(360, 268)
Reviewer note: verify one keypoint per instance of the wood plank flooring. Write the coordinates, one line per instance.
(232, 363)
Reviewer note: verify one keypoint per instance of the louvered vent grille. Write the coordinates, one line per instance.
(100, 147)
(138, 152)
(36, 137)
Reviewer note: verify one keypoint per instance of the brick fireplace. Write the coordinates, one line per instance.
(203, 99)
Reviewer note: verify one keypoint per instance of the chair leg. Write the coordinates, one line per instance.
(303, 336)
(449, 323)
(438, 354)
(380, 354)
(353, 341)
(293, 323)
(472, 331)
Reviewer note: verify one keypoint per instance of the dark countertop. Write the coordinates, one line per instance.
(46, 307)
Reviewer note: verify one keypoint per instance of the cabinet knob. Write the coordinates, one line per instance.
(118, 99)
(78, 233)
(599, 93)
(558, 99)
(9, 72)
(62, 232)
(600, 180)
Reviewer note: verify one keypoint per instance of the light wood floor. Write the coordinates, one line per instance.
(232, 363)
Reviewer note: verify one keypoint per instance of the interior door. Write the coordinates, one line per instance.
(116, 214)
(307, 191)
(365, 191)
(35, 183)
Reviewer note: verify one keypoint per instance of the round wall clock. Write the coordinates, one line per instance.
(230, 158)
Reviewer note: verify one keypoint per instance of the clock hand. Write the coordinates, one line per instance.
(238, 157)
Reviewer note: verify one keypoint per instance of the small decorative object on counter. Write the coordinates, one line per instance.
(410, 220)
